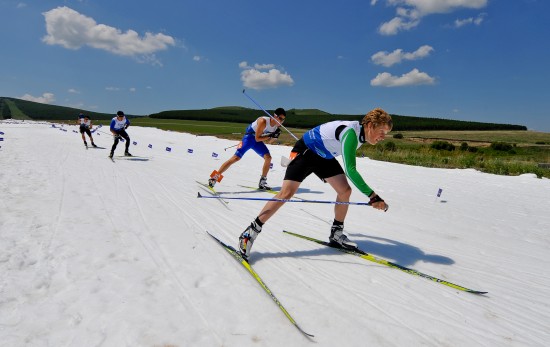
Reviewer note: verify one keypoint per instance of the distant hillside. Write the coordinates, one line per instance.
(307, 118)
(22, 109)
(299, 118)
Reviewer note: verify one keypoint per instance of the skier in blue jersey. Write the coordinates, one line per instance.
(260, 131)
(315, 153)
(119, 124)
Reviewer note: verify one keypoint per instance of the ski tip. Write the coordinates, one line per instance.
(477, 292)
(199, 196)
(308, 334)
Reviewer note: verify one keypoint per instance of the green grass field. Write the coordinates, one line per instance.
(498, 152)
(510, 136)
(15, 111)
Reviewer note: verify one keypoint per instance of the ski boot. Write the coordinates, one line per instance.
(215, 176)
(246, 240)
(339, 239)
(263, 184)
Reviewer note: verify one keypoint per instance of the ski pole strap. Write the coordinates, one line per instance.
(375, 199)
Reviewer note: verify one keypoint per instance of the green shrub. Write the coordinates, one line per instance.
(464, 146)
(501, 146)
(443, 145)
(390, 146)
(398, 136)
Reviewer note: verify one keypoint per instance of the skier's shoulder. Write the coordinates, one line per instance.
(262, 120)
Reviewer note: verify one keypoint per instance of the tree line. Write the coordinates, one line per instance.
(298, 118)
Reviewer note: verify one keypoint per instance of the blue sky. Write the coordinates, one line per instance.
(478, 60)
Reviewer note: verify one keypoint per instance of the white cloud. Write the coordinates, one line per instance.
(132, 89)
(72, 30)
(388, 59)
(244, 65)
(73, 91)
(112, 89)
(46, 98)
(79, 105)
(410, 12)
(467, 21)
(274, 78)
(397, 24)
(148, 59)
(253, 78)
(427, 7)
(412, 78)
(264, 66)
(21, 5)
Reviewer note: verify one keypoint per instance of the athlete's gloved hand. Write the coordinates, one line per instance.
(377, 202)
(275, 134)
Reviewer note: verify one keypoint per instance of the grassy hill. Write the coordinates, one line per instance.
(307, 118)
(298, 118)
(22, 109)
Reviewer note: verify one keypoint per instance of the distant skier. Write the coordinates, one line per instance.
(119, 124)
(85, 126)
(315, 153)
(261, 130)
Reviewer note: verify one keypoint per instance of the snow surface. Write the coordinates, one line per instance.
(102, 253)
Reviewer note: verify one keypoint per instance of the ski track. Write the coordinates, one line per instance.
(156, 254)
(116, 254)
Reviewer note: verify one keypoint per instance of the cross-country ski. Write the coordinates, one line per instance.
(258, 279)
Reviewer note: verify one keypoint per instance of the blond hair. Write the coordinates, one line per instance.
(378, 117)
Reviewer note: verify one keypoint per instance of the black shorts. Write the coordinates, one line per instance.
(307, 162)
(85, 129)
